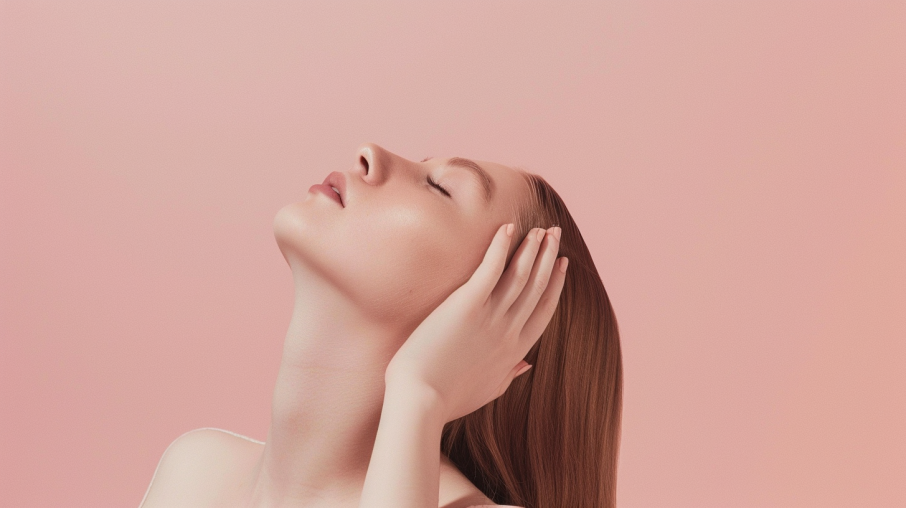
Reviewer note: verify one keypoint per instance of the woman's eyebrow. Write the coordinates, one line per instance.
(483, 177)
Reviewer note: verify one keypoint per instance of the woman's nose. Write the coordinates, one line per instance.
(375, 164)
(372, 162)
(365, 158)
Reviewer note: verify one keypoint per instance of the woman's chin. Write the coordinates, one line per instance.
(291, 228)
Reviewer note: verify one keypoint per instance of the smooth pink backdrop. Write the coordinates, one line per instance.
(738, 171)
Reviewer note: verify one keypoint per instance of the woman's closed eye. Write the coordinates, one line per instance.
(436, 185)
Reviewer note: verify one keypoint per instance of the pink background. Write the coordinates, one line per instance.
(739, 172)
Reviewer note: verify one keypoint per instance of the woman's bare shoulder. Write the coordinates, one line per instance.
(194, 462)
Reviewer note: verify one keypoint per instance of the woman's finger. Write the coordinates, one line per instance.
(541, 316)
(485, 277)
(517, 274)
(538, 281)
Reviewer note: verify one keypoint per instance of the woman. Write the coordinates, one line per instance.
(439, 353)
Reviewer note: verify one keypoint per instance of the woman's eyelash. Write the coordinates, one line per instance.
(435, 184)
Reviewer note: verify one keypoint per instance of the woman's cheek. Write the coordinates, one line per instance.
(407, 263)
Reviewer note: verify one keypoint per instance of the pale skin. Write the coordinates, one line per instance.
(406, 316)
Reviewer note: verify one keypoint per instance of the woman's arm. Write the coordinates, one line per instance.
(405, 464)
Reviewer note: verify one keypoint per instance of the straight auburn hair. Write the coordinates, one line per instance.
(552, 439)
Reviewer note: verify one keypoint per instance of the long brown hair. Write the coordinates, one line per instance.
(552, 439)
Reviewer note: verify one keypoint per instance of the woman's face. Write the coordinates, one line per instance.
(397, 245)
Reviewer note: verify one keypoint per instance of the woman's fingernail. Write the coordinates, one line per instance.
(563, 263)
(540, 234)
(509, 229)
(557, 232)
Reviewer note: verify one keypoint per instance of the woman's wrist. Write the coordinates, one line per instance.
(410, 398)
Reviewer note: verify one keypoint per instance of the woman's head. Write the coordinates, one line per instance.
(398, 246)
(406, 234)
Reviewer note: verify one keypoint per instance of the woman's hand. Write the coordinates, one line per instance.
(471, 347)
(462, 356)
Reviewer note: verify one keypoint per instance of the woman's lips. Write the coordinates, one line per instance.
(337, 180)
(326, 190)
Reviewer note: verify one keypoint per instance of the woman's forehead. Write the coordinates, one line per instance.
(506, 176)
(512, 188)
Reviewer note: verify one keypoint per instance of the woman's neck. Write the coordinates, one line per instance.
(326, 404)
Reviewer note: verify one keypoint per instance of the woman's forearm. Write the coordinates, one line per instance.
(405, 464)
